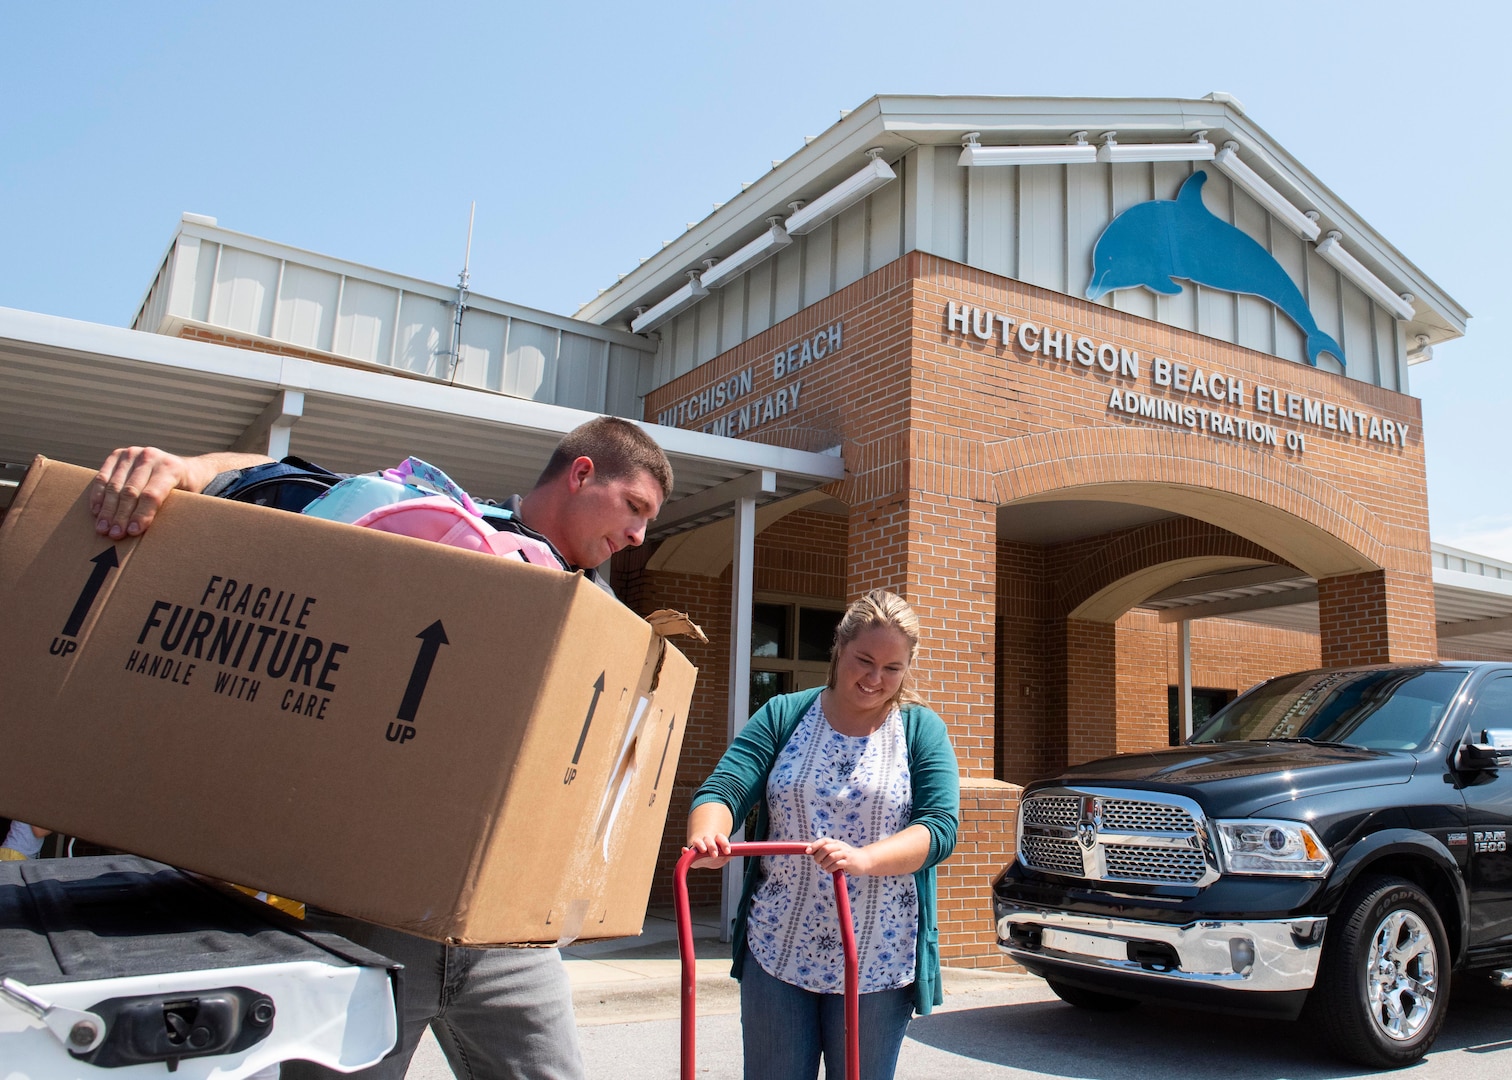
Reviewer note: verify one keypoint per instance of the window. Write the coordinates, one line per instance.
(1204, 704)
(790, 645)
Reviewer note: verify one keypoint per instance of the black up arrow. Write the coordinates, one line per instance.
(672, 723)
(434, 636)
(598, 688)
(104, 563)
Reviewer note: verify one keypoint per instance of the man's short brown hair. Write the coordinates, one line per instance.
(617, 448)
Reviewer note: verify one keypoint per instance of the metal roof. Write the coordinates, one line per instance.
(74, 391)
(897, 123)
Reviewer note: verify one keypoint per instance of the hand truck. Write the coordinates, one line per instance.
(690, 965)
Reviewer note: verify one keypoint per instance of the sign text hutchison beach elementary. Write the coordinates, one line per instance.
(1209, 399)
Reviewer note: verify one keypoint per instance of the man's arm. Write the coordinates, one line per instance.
(130, 487)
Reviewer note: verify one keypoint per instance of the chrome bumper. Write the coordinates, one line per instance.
(1260, 955)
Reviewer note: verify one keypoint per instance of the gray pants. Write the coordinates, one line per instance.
(499, 1014)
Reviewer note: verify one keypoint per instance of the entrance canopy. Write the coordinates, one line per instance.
(1472, 593)
(74, 391)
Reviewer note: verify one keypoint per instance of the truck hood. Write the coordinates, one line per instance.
(1243, 777)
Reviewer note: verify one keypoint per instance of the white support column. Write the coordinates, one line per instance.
(1184, 691)
(742, 580)
(269, 433)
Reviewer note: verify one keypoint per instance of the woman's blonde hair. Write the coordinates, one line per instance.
(879, 608)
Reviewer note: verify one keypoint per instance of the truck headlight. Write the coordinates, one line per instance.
(1256, 846)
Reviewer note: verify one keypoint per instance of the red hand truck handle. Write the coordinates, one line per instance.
(690, 963)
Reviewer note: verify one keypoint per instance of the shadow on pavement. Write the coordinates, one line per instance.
(1055, 1039)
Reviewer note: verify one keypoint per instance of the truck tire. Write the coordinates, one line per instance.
(1383, 985)
(1090, 1000)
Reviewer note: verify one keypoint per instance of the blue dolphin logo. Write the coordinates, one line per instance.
(1155, 243)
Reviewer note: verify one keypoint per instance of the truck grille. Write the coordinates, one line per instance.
(1153, 864)
(1103, 834)
(1053, 853)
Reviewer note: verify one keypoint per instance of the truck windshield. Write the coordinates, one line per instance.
(1377, 710)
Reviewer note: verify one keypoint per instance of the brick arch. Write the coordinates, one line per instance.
(1281, 506)
(1109, 578)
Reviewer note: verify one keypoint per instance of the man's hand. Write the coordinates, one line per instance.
(130, 487)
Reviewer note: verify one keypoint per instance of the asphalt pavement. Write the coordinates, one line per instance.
(993, 1025)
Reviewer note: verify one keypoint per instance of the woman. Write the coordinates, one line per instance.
(865, 774)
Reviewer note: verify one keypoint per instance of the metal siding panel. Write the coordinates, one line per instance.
(732, 313)
(204, 281)
(580, 373)
(532, 351)
(363, 329)
(759, 297)
(1290, 250)
(1086, 218)
(949, 225)
(306, 306)
(1391, 342)
(850, 246)
(789, 281)
(481, 349)
(1323, 298)
(684, 343)
(885, 222)
(1359, 339)
(818, 263)
(1042, 216)
(1255, 326)
(424, 332)
(992, 233)
(707, 312)
(156, 304)
(1130, 185)
(244, 292)
(181, 272)
(623, 377)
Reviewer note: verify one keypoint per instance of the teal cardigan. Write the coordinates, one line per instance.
(739, 782)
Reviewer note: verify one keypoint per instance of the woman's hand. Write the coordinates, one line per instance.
(714, 849)
(901, 853)
(832, 855)
(709, 828)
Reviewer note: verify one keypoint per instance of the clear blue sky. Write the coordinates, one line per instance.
(590, 132)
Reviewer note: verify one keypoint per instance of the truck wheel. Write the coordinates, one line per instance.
(1090, 1000)
(1383, 986)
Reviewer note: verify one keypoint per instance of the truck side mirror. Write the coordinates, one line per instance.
(1492, 751)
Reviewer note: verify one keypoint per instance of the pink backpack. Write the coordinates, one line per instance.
(442, 519)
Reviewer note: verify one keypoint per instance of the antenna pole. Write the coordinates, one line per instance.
(453, 349)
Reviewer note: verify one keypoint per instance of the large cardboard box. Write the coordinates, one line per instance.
(455, 744)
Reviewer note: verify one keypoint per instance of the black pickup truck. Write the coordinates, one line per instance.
(1331, 843)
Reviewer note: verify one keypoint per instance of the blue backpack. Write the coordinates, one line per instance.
(290, 484)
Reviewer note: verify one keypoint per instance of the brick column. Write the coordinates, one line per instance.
(984, 843)
(1089, 692)
(939, 553)
(1378, 617)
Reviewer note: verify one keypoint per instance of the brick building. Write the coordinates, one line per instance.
(957, 347)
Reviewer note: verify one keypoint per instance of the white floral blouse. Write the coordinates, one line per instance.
(853, 789)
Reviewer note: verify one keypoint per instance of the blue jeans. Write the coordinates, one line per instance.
(786, 1029)
(499, 1014)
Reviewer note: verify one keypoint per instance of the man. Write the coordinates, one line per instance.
(497, 1013)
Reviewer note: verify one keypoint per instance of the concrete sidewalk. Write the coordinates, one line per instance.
(634, 979)
(631, 979)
